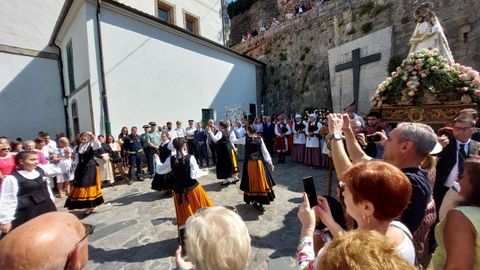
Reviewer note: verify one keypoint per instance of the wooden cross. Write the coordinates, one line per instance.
(355, 64)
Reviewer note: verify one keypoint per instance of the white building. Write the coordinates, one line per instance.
(152, 70)
(201, 17)
(30, 85)
(149, 70)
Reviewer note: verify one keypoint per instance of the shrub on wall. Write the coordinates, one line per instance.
(238, 7)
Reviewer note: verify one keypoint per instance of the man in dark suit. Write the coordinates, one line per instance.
(450, 163)
(269, 134)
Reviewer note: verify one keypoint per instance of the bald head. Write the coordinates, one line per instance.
(45, 243)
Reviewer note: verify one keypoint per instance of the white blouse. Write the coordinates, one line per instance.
(266, 155)
(313, 142)
(299, 137)
(8, 195)
(215, 138)
(164, 168)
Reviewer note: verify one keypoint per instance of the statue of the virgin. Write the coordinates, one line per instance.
(428, 33)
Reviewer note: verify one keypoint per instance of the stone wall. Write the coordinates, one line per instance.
(260, 13)
(297, 72)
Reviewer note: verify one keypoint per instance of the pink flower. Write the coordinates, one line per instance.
(464, 89)
(423, 75)
(462, 76)
(418, 67)
(414, 73)
(476, 81)
(476, 93)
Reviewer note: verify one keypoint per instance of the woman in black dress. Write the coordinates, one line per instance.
(226, 158)
(25, 193)
(86, 192)
(164, 182)
(257, 182)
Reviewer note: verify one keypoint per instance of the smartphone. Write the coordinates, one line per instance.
(374, 138)
(309, 188)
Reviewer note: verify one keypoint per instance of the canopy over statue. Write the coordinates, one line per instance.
(428, 33)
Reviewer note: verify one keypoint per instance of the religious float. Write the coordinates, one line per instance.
(428, 86)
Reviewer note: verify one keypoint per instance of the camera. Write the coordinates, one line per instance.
(374, 138)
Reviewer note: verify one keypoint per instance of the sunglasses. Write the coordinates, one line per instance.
(6, 149)
(89, 229)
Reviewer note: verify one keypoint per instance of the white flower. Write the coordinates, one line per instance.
(411, 93)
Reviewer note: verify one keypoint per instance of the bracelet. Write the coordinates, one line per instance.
(307, 230)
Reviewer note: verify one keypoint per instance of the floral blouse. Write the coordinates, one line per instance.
(305, 254)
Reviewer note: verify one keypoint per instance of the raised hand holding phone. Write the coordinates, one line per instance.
(306, 215)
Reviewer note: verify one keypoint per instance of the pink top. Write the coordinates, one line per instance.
(7, 165)
(41, 157)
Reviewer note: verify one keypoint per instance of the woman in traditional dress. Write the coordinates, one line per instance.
(86, 192)
(189, 195)
(226, 160)
(25, 193)
(282, 130)
(164, 182)
(257, 182)
(299, 139)
(312, 145)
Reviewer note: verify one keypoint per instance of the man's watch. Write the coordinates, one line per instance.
(334, 136)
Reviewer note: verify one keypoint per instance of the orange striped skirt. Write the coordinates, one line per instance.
(85, 197)
(257, 179)
(195, 199)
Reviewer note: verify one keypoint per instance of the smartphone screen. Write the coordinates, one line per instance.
(309, 188)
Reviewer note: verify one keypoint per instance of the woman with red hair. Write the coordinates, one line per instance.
(375, 193)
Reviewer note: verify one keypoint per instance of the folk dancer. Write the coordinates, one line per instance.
(25, 194)
(86, 192)
(282, 130)
(189, 195)
(226, 160)
(312, 145)
(211, 144)
(257, 182)
(299, 139)
(164, 182)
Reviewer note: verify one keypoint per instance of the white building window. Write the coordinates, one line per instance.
(191, 23)
(166, 12)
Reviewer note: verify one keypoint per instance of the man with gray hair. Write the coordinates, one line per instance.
(405, 147)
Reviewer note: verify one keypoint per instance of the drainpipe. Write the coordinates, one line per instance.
(106, 113)
(62, 83)
(223, 23)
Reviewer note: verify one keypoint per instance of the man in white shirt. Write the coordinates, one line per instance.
(179, 131)
(189, 131)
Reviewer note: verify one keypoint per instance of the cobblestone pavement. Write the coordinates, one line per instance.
(135, 228)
